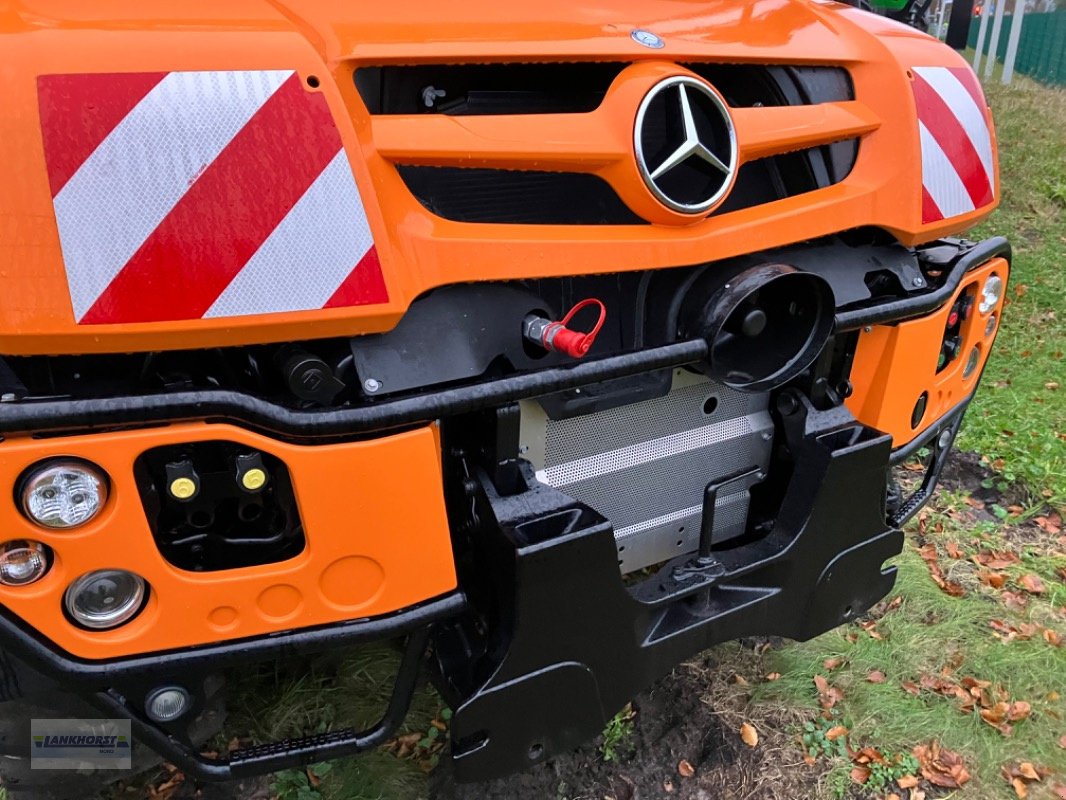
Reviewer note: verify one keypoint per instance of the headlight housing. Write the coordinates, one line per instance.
(105, 599)
(63, 493)
(991, 293)
(23, 562)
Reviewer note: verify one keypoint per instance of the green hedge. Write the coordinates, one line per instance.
(1042, 48)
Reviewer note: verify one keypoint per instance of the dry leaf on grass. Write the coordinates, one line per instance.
(876, 676)
(685, 769)
(773, 676)
(860, 774)
(941, 767)
(749, 735)
(1032, 584)
(994, 579)
(996, 559)
(835, 733)
(907, 782)
(1020, 774)
(832, 663)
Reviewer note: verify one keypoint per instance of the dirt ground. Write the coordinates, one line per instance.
(692, 715)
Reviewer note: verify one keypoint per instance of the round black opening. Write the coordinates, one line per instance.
(709, 406)
(312, 81)
(919, 409)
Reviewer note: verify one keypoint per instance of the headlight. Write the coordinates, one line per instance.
(63, 493)
(23, 562)
(991, 293)
(105, 599)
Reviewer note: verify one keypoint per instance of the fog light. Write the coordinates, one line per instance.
(63, 494)
(23, 562)
(167, 703)
(971, 362)
(991, 293)
(105, 599)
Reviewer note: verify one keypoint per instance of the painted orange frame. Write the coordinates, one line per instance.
(373, 514)
(894, 364)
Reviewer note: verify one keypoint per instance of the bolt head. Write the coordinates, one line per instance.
(371, 385)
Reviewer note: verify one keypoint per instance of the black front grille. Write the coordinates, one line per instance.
(531, 198)
(558, 198)
(574, 88)
(566, 198)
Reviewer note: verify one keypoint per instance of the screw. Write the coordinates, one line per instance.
(767, 436)
(918, 282)
(371, 385)
(867, 329)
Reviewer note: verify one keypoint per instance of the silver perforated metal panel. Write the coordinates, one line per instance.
(645, 466)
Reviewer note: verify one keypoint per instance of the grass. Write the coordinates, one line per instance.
(349, 690)
(1018, 420)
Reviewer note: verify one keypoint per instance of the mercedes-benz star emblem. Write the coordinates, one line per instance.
(685, 144)
(648, 39)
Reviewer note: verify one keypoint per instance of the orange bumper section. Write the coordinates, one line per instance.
(896, 365)
(373, 514)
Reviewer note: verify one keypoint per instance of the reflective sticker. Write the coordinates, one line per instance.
(185, 195)
(958, 171)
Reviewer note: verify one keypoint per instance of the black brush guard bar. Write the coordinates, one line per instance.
(59, 415)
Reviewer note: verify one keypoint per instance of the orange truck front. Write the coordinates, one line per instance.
(554, 343)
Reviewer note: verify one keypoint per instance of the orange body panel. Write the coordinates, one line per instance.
(331, 39)
(894, 364)
(373, 515)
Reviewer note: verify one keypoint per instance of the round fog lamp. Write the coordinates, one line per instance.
(63, 494)
(166, 703)
(991, 293)
(105, 599)
(22, 562)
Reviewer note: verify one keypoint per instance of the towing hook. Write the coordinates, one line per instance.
(555, 336)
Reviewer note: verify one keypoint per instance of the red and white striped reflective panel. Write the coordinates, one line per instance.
(958, 174)
(183, 195)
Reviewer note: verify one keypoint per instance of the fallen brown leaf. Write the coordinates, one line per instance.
(861, 774)
(685, 769)
(1032, 584)
(876, 676)
(908, 782)
(996, 559)
(1014, 600)
(941, 767)
(832, 663)
(773, 676)
(994, 579)
(836, 732)
(749, 735)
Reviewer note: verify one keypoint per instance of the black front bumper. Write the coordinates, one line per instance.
(547, 641)
(573, 643)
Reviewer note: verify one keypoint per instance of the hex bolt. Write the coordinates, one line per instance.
(918, 281)
(371, 385)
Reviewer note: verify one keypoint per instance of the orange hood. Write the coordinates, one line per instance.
(281, 215)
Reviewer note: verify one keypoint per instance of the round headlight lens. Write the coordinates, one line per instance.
(63, 494)
(991, 293)
(167, 703)
(105, 599)
(23, 562)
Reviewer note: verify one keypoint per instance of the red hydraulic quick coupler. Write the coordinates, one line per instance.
(555, 336)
